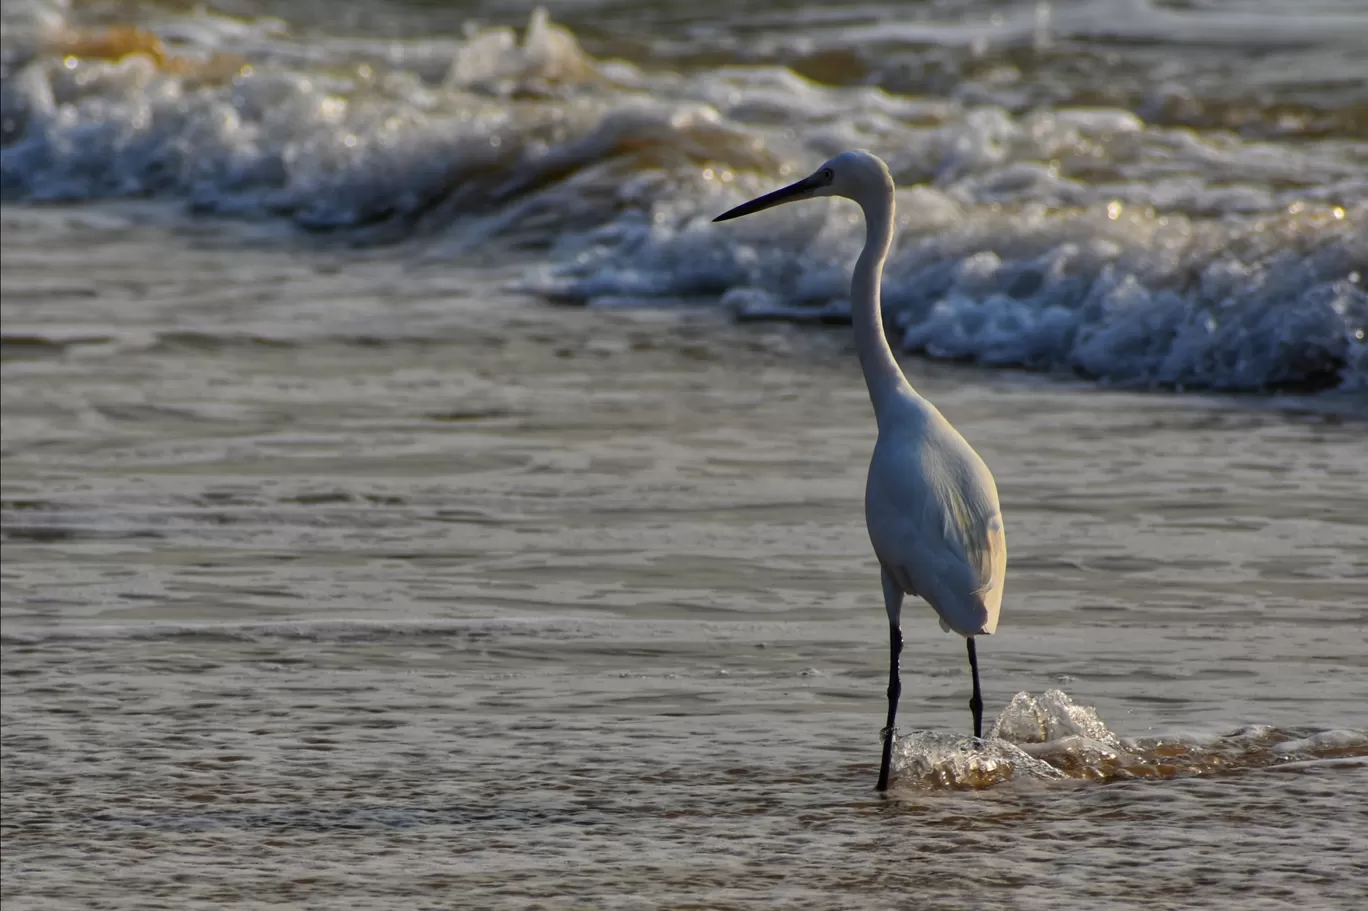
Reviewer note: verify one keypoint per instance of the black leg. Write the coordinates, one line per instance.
(894, 691)
(976, 701)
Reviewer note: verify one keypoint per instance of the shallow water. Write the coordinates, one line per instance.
(341, 568)
(451, 599)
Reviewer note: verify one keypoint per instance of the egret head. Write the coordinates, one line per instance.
(857, 175)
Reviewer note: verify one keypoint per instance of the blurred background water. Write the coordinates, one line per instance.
(410, 500)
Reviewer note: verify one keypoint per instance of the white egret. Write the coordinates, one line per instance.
(931, 505)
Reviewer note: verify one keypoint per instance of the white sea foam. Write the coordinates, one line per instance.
(932, 759)
(1050, 718)
(1035, 737)
(1085, 241)
(1322, 742)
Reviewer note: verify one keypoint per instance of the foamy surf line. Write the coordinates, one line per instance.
(1084, 242)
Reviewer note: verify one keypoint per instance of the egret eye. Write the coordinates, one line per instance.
(828, 175)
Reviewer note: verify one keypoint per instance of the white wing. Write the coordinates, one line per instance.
(934, 520)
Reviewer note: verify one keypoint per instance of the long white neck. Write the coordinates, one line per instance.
(882, 375)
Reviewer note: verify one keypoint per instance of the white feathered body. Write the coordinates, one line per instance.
(932, 510)
(930, 502)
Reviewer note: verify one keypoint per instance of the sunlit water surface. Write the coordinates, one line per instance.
(338, 580)
(343, 569)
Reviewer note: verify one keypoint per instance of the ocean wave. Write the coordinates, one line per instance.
(1084, 241)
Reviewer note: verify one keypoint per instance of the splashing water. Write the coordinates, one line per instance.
(1051, 737)
(1053, 716)
(939, 761)
(1037, 738)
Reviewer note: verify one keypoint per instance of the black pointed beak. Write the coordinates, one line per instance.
(794, 191)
